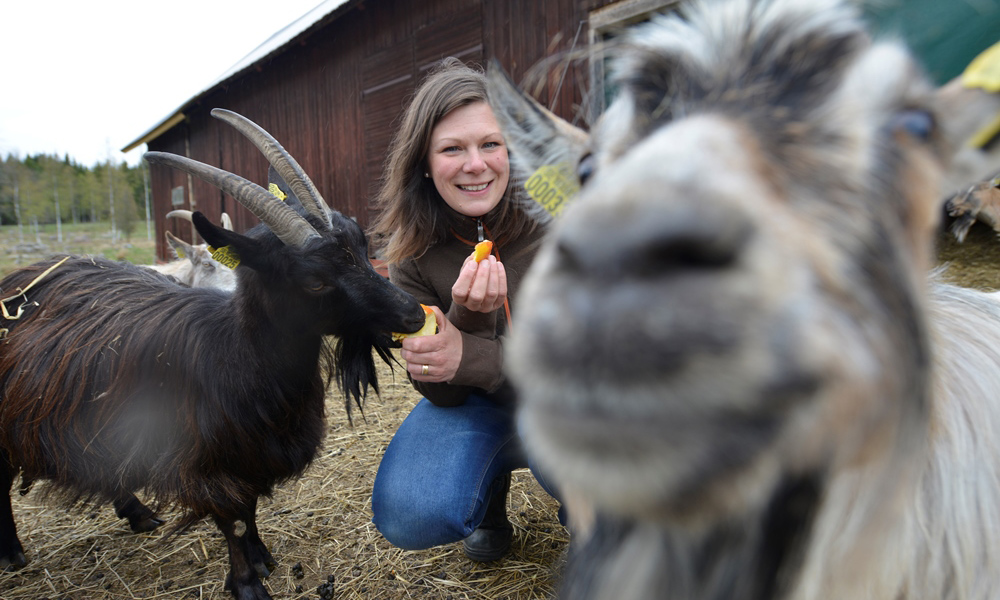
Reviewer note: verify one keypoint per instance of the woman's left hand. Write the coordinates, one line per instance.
(482, 286)
(434, 358)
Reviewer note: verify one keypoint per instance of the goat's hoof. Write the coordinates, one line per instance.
(13, 562)
(263, 569)
(264, 564)
(246, 590)
(145, 525)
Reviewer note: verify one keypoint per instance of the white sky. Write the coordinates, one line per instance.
(86, 78)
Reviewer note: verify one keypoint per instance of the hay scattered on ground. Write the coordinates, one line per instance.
(318, 528)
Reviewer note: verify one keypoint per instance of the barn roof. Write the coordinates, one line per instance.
(274, 45)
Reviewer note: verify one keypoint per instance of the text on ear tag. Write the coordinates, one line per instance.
(551, 186)
(226, 256)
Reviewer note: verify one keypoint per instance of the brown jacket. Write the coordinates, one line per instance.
(430, 277)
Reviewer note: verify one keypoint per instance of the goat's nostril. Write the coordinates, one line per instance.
(643, 249)
(687, 250)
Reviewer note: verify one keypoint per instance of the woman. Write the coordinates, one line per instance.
(446, 473)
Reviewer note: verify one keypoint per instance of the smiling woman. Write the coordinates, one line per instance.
(468, 160)
(446, 473)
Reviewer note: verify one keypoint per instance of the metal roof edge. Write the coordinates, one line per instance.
(156, 131)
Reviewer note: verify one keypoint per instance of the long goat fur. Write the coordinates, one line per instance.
(731, 349)
(114, 379)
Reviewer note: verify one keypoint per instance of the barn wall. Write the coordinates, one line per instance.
(334, 98)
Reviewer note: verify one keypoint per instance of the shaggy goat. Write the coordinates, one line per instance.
(193, 264)
(113, 378)
(729, 348)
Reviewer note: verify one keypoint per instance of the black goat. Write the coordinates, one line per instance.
(115, 379)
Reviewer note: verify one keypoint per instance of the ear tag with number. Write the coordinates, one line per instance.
(226, 256)
(276, 191)
(551, 186)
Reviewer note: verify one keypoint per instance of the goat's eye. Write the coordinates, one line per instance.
(585, 169)
(208, 266)
(314, 286)
(916, 123)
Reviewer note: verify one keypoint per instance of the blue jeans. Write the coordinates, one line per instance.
(431, 486)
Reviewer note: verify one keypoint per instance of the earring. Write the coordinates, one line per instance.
(427, 175)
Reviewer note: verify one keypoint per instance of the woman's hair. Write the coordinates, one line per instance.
(412, 216)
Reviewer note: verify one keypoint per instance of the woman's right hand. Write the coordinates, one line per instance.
(480, 287)
(434, 358)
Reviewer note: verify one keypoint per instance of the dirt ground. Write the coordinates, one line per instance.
(319, 527)
(974, 263)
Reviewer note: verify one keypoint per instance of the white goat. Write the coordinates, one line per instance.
(193, 264)
(729, 347)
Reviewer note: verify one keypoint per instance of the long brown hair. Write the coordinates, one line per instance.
(412, 216)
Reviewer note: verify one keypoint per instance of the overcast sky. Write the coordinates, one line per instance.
(86, 78)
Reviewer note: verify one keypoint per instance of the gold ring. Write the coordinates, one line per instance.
(424, 370)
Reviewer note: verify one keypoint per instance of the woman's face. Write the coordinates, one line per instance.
(468, 160)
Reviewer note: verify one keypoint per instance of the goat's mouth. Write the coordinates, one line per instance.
(658, 464)
(657, 399)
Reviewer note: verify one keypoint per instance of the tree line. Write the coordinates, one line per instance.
(47, 189)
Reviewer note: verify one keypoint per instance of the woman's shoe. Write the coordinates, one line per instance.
(491, 540)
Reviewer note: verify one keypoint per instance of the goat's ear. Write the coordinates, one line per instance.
(543, 147)
(535, 135)
(968, 112)
(241, 249)
(967, 109)
(180, 248)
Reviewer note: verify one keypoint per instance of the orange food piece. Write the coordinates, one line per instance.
(429, 328)
(483, 249)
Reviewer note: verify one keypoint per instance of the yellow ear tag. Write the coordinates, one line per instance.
(986, 134)
(551, 186)
(180, 252)
(276, 191)
(226, 256)
(984, 70)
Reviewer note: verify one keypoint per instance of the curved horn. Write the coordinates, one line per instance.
(282, 161)
(180, 213)
(290, 228)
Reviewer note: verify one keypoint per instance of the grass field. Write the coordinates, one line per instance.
(18, 248)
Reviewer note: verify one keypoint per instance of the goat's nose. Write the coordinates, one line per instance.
(652, 239)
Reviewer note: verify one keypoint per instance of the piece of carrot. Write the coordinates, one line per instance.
(483, 249)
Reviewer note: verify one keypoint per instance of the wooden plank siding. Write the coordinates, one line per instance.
(334, 96)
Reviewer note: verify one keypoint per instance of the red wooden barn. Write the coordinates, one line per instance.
(331, 86)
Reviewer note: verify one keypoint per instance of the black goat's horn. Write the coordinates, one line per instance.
(290, 228)
(282, 161)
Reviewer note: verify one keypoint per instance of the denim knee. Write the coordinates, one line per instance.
(415, 522)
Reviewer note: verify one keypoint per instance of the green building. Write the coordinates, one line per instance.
(945, 34)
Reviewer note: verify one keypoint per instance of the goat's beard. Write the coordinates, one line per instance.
(351, 361)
